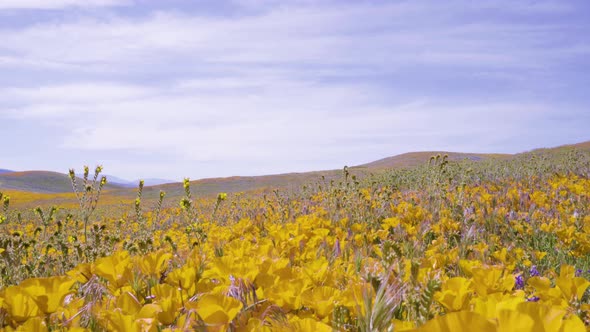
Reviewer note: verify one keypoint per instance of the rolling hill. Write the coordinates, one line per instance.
(582, 146)
(40, 182)
(412, 159)
(133, 184)
(52, 182)
(212, 186)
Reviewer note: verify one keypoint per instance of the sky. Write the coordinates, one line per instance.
(210, 88)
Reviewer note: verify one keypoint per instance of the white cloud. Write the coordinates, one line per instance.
(396, 35)
(321, 82)
(58, 4)
(85, 93)
(284, 120)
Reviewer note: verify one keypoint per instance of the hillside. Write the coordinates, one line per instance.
(52, 182)
(583, 146)
(412, 159)
(40, 182)
(213, 186)
(133, 184)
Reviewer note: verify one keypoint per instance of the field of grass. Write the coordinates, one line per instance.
(483, 243)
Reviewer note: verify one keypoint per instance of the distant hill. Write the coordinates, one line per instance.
(51, 182)
(40, 182)
(135, 183)
(154, 181)
(233, 184)
(412, 159)
(120, 182)
(212, 186)
(583, 146)
(2, 171)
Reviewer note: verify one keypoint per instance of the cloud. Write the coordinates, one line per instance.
(310, 84)
(85, 93)
(396, 35)
(59, 4)
(280, 120)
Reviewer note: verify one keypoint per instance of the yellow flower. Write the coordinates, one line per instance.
(116, 269)
(309, 325)
(573, 288)
(455, 294)
(128, 303)
(36, 324)
(169, 299)
(82, 272)
(20, 304)
(49, 293)
(461, 321)
(287, 294)
(184, 277)
(492, 279)
(153, 264)
(121, 322)
(218, 310)
(321, 299)
(533, 317)
(389, 223)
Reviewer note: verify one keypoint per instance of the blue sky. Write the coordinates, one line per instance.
(217, 88)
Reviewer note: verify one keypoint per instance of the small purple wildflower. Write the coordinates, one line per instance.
(534, 272)
(533, 299)
(579, 272)
(519, 282)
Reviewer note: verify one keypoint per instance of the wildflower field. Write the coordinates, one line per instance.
(496, 245)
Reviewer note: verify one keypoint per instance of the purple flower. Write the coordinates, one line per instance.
(519, 282)
(534, 272)
(579, 272)
(533, 299)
